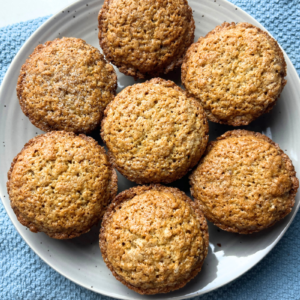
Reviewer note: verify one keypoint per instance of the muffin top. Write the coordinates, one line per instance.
(154, 132)
(244, 183)
(66, 84)
(236, 72)
(60, 184)
(154, 239)
(145, 37)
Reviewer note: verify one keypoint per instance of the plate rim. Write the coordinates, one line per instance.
(47, 261)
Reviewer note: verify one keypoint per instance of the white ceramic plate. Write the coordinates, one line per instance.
(230, 255)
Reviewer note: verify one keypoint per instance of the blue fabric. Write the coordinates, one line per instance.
(23, 275)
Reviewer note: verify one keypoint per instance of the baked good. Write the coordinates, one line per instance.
(145, 37)
(244, 182)
(154, 239)
(60, 184)
(236, 72)
(154, 132)
(66, 84)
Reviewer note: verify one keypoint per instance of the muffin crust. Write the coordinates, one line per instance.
(236, 72)
(154, 132)
(66, 84)
(244, 182)
(60, 184)
(145, 37)
(154, 239)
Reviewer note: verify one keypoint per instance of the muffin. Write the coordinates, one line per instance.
(244, 183)
(154, 239)
(154, 132)
(66, 84)
(236, 72)
(61, 184)
(145, 37)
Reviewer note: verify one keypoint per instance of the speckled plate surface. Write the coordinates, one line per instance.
(230, 255)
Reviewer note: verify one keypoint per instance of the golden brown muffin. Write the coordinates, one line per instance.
(145, 37)
(66, 84)
(154, 239)
(60, 184)
(245, 182)
(154, 132)
(236, 72)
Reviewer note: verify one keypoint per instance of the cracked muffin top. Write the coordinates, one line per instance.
(66, 84)
(236, 72)
(154, 239)
(60, 184)
(244, 182)
(145, 37)
(154, 132)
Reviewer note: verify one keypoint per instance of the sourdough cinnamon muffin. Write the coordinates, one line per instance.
(145, 37)
(60, 184)
(154, 239)
(154, 132)
(236, 72)
(66, 84)
(244, 183)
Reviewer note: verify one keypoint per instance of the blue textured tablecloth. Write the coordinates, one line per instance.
(23, 275)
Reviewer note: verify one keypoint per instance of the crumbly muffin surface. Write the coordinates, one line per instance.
(154, 239)
(154, 133)
(236, 72)
(65, 85)
(244, 183)
(60, 184)
(145, 37)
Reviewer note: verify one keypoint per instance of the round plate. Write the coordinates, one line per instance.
(79, 259)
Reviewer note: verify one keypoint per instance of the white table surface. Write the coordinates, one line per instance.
(15, 11)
